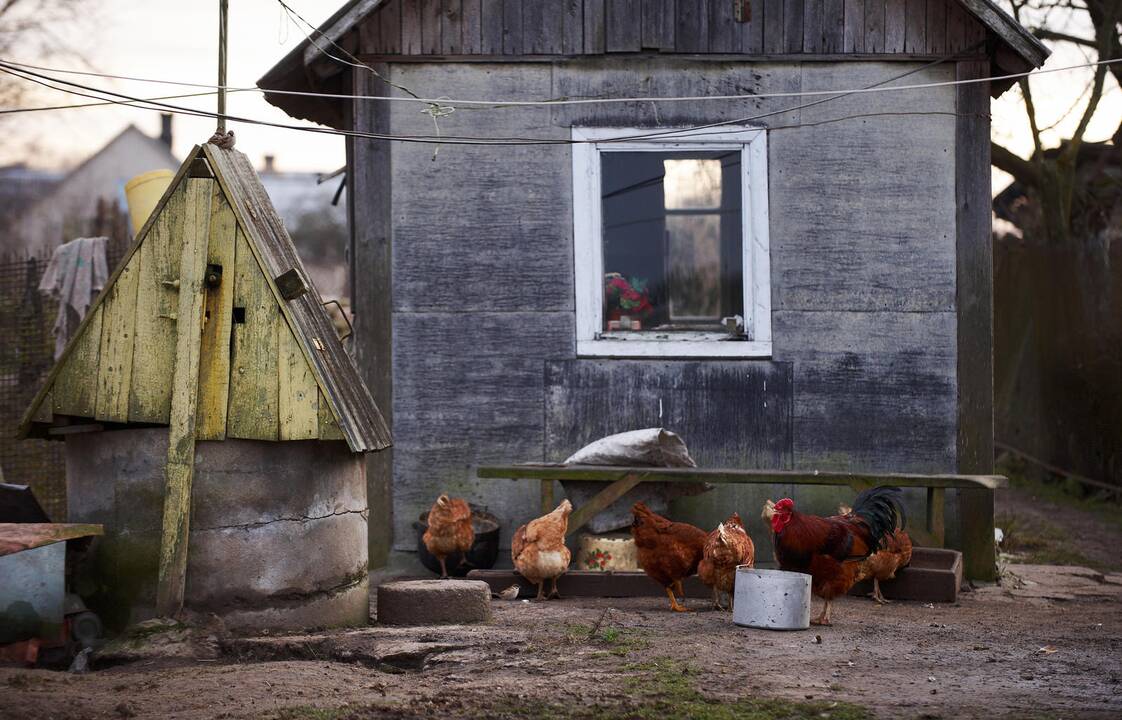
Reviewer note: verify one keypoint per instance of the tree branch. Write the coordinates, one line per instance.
(1023, 171)
(1046, 34)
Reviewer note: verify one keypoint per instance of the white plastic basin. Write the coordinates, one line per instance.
(772, 599)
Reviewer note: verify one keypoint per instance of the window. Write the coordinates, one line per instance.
(671, 243)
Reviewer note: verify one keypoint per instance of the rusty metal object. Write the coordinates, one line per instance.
(15, 537)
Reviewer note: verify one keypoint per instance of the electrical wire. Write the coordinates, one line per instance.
(103, 103)
(447, 140)
(436, 140)
(574, 101)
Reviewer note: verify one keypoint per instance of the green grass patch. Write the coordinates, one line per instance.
(1026, 480)
(663, 689)
(615, 640)
(1037, 542)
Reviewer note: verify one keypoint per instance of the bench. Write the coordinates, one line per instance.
(618, 480)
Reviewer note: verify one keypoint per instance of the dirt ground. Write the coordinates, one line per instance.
(991, 655)
(1045, 644)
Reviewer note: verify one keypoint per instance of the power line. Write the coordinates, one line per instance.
(103, 103)
(446, 140)
(428, 139)
(498, 104)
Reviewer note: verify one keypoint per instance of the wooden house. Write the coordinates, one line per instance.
(214, 423)
(786, 260)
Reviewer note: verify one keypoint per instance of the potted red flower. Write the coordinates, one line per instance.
(625, 298)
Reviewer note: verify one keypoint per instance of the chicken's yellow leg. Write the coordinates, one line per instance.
(443, 568)
(824, 618)
(674, 602)
(877, 594)
(554, 593)
(541, 591)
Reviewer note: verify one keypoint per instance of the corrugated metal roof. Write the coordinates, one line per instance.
(359, 419)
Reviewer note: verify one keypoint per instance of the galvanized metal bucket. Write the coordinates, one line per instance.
(771, 599)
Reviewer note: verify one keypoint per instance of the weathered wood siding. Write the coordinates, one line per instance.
(863, 277)
(592, 27)
(731, 414)
(254, 379)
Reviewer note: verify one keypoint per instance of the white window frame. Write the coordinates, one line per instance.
(588, 244)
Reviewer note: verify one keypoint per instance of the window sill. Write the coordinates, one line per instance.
(672, 348)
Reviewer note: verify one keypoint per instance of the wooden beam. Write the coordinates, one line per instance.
(16, 537)
(184, 399)
(974, 302)
(604, 473)
(547, 496)
(601, 500)
(214, 367)
(936, 504)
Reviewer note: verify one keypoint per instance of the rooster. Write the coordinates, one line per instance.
(726, 548)
(828, 549)
(449, 530)
(668, 551)
(538, 549)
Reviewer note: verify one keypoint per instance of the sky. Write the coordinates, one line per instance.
(177, 40)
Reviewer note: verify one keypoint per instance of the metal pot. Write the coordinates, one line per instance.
(771, 599)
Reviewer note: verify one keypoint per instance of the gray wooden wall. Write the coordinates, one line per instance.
(863, 232)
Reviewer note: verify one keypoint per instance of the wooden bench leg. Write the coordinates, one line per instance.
(547, 496)
(936, 505)
(600, 501)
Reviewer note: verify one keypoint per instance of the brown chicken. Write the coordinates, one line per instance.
(538, 549)
(883, 564)
(828, 549)
(449, 531)
(896, 553)
(668, 551)
(726, 548)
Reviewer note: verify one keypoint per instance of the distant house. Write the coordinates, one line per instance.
(787, 274)
(21, 186)
(69, 208)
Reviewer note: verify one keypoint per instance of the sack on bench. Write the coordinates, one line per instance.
(652, 447)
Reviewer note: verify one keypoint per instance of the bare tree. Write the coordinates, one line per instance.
(1051, 174)
(36, 30)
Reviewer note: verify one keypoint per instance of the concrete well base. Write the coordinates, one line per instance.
(278, 529)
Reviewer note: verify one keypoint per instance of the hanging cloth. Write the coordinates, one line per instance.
(74, 276)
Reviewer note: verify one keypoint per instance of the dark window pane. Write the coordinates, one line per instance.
(672, 240)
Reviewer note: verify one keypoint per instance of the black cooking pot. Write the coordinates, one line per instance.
(484, 551)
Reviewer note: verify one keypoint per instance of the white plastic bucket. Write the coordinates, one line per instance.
(772, 599)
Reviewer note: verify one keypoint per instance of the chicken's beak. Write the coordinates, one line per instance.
(442, 500)
(769, 510)
(721, 532)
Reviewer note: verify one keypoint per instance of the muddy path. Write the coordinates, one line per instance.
(991, 655)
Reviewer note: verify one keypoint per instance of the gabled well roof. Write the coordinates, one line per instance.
(116, 367)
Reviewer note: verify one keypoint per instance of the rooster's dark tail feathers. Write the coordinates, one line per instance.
(882, 509)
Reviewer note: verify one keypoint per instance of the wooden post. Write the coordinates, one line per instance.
(184, 399)
(223, 13)
(974, 300)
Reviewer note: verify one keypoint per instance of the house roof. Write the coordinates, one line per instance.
(305, 69)
(272, 255)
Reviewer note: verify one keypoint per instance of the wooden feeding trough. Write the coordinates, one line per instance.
(214, 421)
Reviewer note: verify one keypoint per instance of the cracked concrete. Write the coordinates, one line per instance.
(278, 529)
(303, 518)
